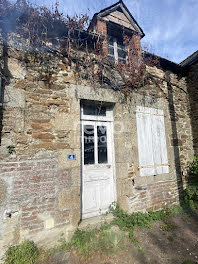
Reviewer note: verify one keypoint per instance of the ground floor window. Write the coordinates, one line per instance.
(152, 148)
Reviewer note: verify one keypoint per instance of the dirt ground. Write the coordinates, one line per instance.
(164, 244)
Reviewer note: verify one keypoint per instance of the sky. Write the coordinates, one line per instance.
(170, 26)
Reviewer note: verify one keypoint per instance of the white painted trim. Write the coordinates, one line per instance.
(115, 45)
(113, 162)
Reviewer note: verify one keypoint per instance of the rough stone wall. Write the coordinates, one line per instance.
(39, 187)
(193, 91)
(40, 195)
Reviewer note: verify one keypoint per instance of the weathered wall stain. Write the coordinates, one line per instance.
(3, 191)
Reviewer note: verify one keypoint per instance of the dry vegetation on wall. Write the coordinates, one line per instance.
(44, 30)
(38, 25)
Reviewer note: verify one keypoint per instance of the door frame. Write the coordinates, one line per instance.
(103, 119)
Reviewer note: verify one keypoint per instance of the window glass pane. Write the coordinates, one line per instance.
(110, 41)
(120, 44)
(89, 110)
(111, 58)
(89, 144)
(102, 144)
(97, 110)
(100, 110)
(121, 53)
(111, 51)
(122, 47)
(121, 60)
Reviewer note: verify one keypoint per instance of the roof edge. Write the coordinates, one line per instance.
(190, 59)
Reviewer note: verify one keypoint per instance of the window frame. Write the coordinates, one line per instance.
(115, 47)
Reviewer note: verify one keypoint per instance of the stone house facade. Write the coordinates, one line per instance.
(72, 144)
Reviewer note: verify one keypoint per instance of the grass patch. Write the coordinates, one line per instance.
(127, 222)
(94, 240)
(140, 249)
(170, 238)
(26, 253)
(102, 239)
(168, 226)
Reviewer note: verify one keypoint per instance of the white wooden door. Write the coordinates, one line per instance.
(98, 188)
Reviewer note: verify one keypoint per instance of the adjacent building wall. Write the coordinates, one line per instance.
(193, 92)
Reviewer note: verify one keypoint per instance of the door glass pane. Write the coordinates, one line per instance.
(102, 144)
(89, 144)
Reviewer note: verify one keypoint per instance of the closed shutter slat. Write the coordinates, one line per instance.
(156, 134)
(145, 148)
(165, 169)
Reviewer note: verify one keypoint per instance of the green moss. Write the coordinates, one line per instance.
(189, 262)
(10, 149)
(193, 167)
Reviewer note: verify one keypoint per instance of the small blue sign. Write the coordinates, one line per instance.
(71, 157)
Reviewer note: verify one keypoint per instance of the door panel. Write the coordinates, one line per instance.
(98, 189)
(90, 197)
(96, 174)
(106, 195)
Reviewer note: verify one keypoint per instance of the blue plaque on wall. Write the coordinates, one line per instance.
(71, 157)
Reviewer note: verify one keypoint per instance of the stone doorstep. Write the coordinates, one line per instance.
(96, 221)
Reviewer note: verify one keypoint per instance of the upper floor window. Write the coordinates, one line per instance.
(117, 51)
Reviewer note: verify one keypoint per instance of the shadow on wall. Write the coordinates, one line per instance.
(5, 79)
(175, 138)
(192, 83)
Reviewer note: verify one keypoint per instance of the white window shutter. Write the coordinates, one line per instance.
(145, 146)
(159, 142)
(151, 141)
